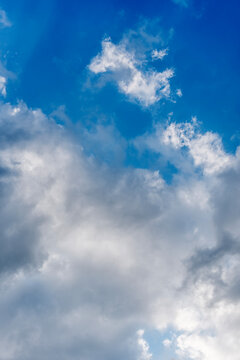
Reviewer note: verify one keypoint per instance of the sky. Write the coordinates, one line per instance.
(119, 180)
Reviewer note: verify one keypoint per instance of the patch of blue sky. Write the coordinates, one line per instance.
(161, 343)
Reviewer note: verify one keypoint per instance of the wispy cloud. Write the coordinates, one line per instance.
(3, 82)
(179, 92)
(4, 21)
(184, 3)
(147, 86)
(159, 54)
(205, 149)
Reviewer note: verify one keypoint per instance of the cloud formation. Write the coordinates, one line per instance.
(145, 86)
(91, 255)
(4, 21)
(159, 54)
(208, 317)
(184, 3)
(3, 89)
(206, 150)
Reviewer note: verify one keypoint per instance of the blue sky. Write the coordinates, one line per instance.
(119, 180)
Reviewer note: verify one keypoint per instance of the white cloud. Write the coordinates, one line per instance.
(4, 76)
(144, 346)
(205, 149)
(3, 82)
(214, 332)
(159, 54)
(4, 21)
(167, 342)
(145, 86)
(206, 320)
(88, 254)
(179, 92)
(74, 266)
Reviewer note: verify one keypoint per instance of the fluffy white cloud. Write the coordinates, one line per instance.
(145, 86)
(207, 316)
(206, 150)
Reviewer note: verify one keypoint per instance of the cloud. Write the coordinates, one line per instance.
(159, 54)
(73, 282)
(167, 342)
(3, 81)
(4, 21)
(4, 76)
(205, 149)
(91, 254)
(144, 346)
(207, 321)
(184, 3)
(179, 92)
(145, 86)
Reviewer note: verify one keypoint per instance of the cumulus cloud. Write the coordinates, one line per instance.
(91, 255)
(145, 86)
(207, 320)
